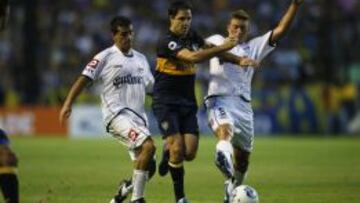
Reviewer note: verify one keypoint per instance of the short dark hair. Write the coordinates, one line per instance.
(178, 5)
(240, 14)
(119, 21)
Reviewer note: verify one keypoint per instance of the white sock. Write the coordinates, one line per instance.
(225, 147)
(138, 181)
(239, 178)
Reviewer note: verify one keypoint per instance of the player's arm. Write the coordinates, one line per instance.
(74, 92)
(207, 53)
(280, 30)
(241, 61)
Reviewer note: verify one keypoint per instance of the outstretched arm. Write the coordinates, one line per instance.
(207, 53)
(285, 21)
(74, 92)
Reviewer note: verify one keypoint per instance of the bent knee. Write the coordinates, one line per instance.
(176, 153)
(149, 146)
(190, 156)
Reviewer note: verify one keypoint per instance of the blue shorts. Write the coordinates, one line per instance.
(174, 119)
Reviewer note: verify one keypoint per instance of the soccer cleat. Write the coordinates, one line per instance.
(141, 200)
(183, 200)
(163, 165)
(223, 164)
(228, 189)
(125, 188)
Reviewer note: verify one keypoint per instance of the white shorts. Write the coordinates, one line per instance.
(236, 112)
(130, 130)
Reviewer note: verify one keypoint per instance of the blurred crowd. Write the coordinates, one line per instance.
(47, 44)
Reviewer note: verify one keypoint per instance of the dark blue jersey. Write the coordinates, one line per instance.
(174, 78)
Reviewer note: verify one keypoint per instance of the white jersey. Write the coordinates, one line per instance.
(230, 79)
(125, 79)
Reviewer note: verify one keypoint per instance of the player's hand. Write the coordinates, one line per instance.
(231, 41)
(64, 114)
(245, 61)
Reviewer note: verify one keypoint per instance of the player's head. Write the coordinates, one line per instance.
(4, 140)
(239, 22)
(180, 16)
(122, 32)
(4, 11)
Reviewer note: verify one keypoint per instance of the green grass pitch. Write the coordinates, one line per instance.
(282, 170)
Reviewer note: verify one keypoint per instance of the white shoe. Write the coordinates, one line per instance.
(228, 189)
(183, 200)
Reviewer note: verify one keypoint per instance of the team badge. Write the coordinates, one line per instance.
(93, 63)
(172, 45)
(165, 125)
(133, 135)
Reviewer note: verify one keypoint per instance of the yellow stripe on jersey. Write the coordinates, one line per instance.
(174, 67)
(8, 170)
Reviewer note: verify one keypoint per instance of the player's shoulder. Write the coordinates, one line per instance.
(105, 53)
(139, 55)
(266, 36)
(165, 38)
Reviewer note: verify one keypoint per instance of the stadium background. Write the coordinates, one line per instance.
(306, 92)
(310, 84)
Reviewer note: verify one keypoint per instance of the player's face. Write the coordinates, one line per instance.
(180, 24)
(239, 25)
(123, 38)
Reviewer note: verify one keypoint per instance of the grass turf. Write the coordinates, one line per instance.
(282, 170)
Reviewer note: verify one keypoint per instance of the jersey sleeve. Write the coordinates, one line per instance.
(216, 40)
(261, 46)
(94, 67)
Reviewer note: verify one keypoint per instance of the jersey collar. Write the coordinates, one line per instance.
(130, 54)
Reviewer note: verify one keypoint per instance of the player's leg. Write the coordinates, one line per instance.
(176, 151)
(243, 140)
(221, 122)
(9, 184)
(224, 150)
(190, 129)
(163, 165)
(191, 146)
(144, 155)
(141, 148)
(241, 165)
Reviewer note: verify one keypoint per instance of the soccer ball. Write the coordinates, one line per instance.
(245, 194)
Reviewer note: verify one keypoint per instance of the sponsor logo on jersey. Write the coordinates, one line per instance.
(117, 66)
(127, 79)
(93, 63)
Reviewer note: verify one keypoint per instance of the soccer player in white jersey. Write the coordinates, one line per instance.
(228, 105)
(126, 77)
